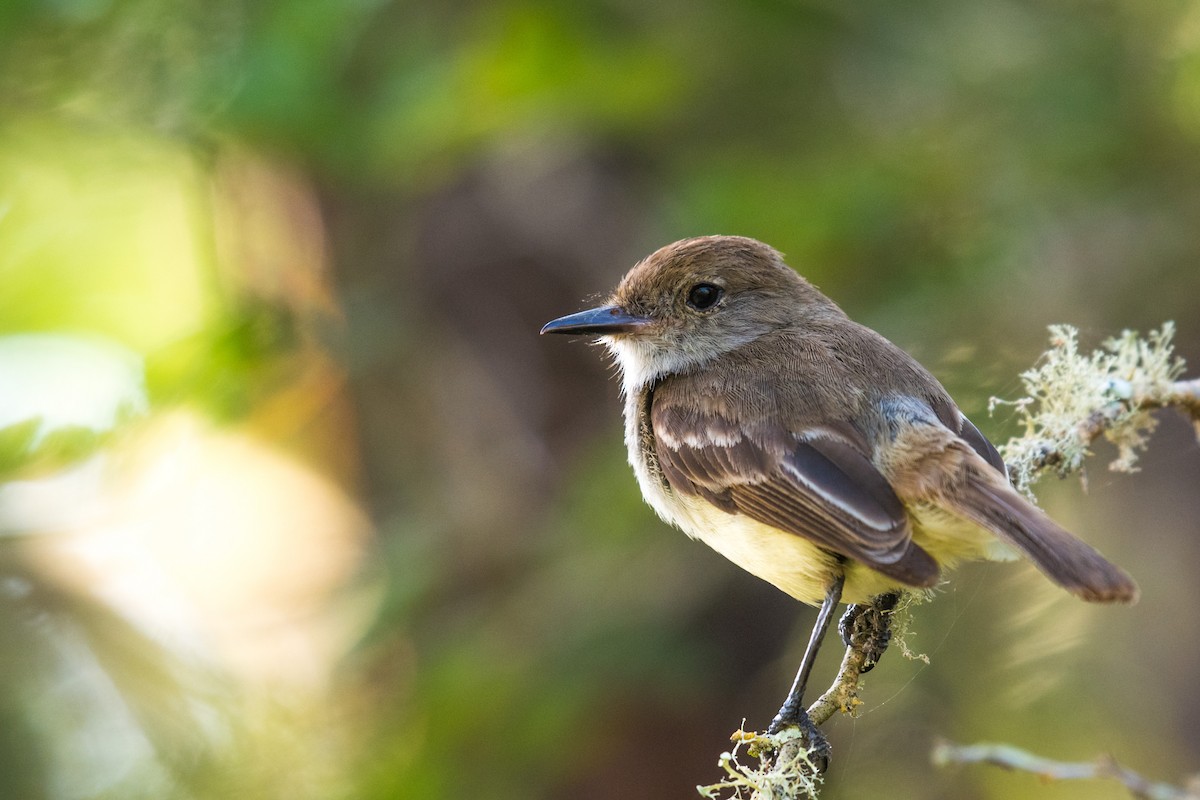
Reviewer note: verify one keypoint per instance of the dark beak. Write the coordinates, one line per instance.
(603, 321)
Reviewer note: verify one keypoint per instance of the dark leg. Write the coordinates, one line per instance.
(793, 711)
(867, 627)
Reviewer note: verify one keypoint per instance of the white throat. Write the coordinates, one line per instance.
(641, 363)
(644, 361)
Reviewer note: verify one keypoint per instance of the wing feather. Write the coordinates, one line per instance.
(818, 484)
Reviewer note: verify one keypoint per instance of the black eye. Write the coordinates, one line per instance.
(703, 296)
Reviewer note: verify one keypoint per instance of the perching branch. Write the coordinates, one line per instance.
(1104, 767)
(786, 768)
(785, 771)
(842, 694)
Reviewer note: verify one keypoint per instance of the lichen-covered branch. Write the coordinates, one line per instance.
(842, 695)
(1072, 399)
(786, 770)
(1103, 768)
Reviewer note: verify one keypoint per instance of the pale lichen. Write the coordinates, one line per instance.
(901, 624)
(785, 770)
(1072, 398)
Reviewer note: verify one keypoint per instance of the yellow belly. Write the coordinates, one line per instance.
(804, 570)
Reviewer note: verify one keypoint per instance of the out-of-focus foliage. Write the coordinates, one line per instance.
(294, 502)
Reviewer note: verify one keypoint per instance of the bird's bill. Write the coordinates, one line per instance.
(603, 321)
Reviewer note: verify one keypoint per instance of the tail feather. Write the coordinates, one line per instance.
(1063, 557)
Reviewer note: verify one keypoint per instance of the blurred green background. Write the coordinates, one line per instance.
(295, 503)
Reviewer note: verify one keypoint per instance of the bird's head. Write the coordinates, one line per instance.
(692, 301)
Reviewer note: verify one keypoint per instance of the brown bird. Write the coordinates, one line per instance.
(804, 447)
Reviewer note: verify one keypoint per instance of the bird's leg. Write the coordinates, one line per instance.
(793, 712)
(867, 627)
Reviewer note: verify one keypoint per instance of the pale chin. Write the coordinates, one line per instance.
(641, 363)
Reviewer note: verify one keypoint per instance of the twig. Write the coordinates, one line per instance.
(1181, 395)
(786, 769)
(791, 754)
(1016, 759)
(842, 694)
(1185, 393)
(1072, 399)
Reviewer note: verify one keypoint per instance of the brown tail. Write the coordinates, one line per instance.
(1065, 559)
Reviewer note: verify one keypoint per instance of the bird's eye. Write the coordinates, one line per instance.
(704, 296)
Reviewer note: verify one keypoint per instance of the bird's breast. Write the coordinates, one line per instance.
(643, 456)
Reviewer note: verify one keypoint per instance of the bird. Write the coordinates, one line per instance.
(807, 448)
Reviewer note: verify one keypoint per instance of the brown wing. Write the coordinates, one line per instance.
(818, 484)
(980, 444)
(955, 420)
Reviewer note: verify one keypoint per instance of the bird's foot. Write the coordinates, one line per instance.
(812, 739)
(867, 627)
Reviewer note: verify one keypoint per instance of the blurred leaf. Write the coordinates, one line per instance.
(26, 453)
(16, 445)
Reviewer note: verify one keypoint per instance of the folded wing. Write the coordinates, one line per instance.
(818, 484)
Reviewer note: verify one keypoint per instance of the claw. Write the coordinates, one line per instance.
(867, 627)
